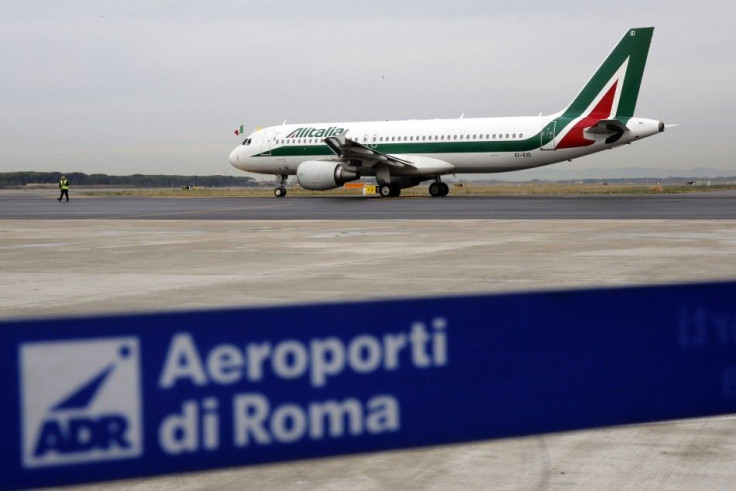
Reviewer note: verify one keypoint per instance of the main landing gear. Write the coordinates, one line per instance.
(280, 191)
(438, 189)
(389, 190)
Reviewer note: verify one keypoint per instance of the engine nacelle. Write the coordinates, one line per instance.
(322, 175)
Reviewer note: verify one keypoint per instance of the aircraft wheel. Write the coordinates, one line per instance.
(435, 189)
(395, 190)
(445, 189)
(384, 190)
(279, 192)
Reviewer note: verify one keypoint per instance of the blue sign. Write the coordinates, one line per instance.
(100, 398)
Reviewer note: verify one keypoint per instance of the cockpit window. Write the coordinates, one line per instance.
(247, 141)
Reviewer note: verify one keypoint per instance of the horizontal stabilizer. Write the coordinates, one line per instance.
(607, 126)
(614, 128)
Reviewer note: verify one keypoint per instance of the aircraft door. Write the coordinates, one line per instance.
(267, 143)
(548, 136)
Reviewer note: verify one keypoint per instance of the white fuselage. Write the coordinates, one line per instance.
(473, 145)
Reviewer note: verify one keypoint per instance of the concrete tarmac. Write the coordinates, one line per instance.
(43, 205)
(73, 267)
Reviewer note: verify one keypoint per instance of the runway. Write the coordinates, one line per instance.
(102, 255)
(21, 205)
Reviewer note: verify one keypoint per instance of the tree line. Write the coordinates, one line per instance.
(17, 179)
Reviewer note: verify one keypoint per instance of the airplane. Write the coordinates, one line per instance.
(403, 154)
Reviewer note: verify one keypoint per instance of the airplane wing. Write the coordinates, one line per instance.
(347, 149)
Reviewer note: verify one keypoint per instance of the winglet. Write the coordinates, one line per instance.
(340, 137)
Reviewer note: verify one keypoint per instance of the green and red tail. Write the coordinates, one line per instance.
(609, 96)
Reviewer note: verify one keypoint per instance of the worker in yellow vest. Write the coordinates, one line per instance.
(64, 186)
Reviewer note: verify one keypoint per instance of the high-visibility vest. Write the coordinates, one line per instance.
(64, 183)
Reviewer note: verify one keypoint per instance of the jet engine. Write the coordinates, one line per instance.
(322, 175)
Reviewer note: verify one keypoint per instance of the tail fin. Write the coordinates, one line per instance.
(616, 83)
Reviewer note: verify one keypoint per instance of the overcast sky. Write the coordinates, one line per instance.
(157, 87)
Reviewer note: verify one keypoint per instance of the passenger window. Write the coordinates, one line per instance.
(521, 135)
(507, 135)
(514, 135)
(461, 137)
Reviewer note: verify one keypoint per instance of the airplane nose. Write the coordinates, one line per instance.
(234, 158)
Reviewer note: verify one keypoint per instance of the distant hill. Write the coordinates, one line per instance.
(18, 179)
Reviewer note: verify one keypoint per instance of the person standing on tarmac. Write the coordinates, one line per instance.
(64, 186)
